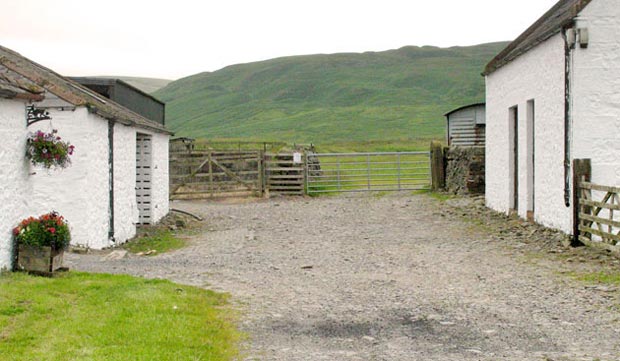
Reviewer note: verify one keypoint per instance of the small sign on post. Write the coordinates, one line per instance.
(297, 158)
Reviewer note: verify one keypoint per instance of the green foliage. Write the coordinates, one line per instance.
(79, 316)
(396, 94)
(160, 241)
(49, 230)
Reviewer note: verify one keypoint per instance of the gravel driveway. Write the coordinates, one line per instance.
(390, 277)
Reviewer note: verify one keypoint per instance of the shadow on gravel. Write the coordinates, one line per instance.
(432, 332)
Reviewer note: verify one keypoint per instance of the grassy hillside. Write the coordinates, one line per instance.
(392, 95)
(147, 85)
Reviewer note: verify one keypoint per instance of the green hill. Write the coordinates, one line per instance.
(390, 95)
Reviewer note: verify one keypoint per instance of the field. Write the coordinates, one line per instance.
(398, 94)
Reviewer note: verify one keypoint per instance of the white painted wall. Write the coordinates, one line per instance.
(160, 194)
(595, 113)
(596, 92)
(537, 75)
(13, 174)
(125, 207)
(80, 191)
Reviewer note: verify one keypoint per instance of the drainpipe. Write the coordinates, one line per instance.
(111, 179)
(567, 115)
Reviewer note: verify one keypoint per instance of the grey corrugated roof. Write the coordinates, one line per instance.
(551, 23)
(73, 92)
(463, 107)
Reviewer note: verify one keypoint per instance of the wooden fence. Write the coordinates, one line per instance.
(597, 210)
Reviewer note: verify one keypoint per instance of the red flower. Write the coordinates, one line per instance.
(16, 231)
(52, 230)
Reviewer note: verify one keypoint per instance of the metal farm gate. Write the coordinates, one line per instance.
(198, 171)
(367, 172)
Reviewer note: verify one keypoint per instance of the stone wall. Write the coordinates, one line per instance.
(464, 170)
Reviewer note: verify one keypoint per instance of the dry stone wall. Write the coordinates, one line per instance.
(464, 170)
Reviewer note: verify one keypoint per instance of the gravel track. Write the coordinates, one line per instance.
(391, 277)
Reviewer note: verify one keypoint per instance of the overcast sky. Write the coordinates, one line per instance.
(176, 38)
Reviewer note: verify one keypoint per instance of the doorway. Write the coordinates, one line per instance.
(514, 157)
(143, 177)
(531, 158)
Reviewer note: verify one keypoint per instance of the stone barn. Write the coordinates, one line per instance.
(119, 172)
(552, 96)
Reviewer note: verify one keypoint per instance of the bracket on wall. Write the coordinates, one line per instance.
(34, 114)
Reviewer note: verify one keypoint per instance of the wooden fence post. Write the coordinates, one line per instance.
(582, 172)
(438, 176)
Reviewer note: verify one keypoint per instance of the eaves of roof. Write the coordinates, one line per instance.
(74, 93)
(560, 16)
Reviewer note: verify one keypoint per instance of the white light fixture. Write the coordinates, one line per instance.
(584, 37)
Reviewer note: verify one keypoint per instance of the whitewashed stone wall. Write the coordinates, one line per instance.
(160, 194)
(596, 92)
(13, 174)
(537, 75)
(595, 114)
(79, 192)
(125, 206)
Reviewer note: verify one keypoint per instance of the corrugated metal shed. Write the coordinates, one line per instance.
(466, 126)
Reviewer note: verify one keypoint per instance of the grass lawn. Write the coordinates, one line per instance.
(80, 316)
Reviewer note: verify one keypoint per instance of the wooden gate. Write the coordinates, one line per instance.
(597, 210)
(284, 174)
(197, 174)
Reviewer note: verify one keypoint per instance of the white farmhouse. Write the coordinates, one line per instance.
(553, 95)
(119, 172)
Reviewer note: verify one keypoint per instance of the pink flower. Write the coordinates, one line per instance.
(52, 230)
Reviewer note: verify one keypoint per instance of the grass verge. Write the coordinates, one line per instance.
(158, 240)
(605, 278)
(80, 316)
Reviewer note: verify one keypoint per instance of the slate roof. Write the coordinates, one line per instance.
(12, 86)
(551, 23)
(38, 77)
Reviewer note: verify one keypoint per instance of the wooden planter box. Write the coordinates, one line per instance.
(38, 259)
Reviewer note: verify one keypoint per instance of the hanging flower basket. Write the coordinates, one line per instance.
(41, 243)
(48, 150)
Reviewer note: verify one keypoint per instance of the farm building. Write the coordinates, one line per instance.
(466, 126)
(553, 95)
(126, 95)
(119, 172)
